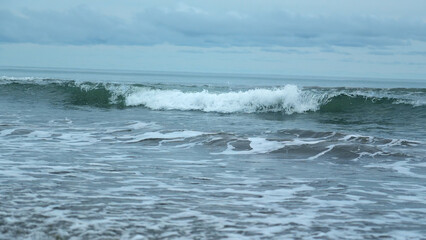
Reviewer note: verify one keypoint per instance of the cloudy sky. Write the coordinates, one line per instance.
(361, 38)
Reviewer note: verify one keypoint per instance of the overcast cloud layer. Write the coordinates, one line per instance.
(362, 38)
(184, 24)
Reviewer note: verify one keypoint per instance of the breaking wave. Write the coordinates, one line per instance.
(287, 99)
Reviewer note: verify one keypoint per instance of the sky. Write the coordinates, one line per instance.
(351, 38)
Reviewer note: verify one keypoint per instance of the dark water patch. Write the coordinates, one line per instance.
(306, 133)
(298, 152)
(19, 132)
(241, 145)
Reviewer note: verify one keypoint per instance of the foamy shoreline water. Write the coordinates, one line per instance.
(96, 160)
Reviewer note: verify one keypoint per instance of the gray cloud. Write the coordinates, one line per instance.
(382, 53)
(286, 51)
(413, 53)
(190, 26)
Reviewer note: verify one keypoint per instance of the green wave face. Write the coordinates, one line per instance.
(348, 103)
(67, 92)
(95, 95)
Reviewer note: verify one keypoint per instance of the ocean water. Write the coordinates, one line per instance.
(90, 154)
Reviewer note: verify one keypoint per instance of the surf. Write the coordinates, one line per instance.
(288, 99)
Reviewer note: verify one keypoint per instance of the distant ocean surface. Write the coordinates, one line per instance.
(91, 154)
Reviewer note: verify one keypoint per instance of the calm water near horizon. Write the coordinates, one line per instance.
(92, 154)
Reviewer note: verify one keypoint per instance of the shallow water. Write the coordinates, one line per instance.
(120, 155)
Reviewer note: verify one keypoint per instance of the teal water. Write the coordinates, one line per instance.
(91, 154)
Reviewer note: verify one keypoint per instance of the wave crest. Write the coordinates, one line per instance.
(289, 99)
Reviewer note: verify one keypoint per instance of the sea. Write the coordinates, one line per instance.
(110, 154)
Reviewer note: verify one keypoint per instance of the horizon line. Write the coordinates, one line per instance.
(229, 74)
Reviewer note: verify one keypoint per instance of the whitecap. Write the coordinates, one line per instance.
(289, 99)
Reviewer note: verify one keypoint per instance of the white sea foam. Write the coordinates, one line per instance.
(6, 132)
(258, 145)
(136, 125)
(40, 134)
(170, 135)
(328, 149)
(261, 145)
(7, 78)
(289, 99)
(413, 102)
